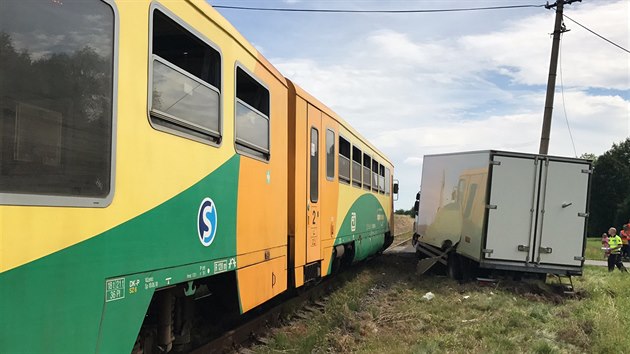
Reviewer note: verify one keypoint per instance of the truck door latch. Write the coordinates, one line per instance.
(523, 248)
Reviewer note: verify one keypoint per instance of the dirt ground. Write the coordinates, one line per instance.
(402, 224)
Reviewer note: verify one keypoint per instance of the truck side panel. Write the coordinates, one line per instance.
(452, 203)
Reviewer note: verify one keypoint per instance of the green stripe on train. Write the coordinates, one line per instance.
(365, 223)
(101, 288)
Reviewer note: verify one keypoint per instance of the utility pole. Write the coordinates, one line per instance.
(558, 29)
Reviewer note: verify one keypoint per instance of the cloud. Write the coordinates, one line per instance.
(413, 96)
(587, 60)
(413, 161)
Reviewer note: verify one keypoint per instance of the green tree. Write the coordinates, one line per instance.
(589, 156)
(610, 189)
(404, 212)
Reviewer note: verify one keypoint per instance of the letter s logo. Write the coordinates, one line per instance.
(207, 222)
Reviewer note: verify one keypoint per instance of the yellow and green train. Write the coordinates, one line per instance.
(156, 170)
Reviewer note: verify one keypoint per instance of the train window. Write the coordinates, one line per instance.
(56, 103)
(367, 163)
(388, 182)
(314, 153)
(381, 178)
(330, 154)
(375, 175)
(252, 116)
(356, 166)
(344, 160)
(185, 82)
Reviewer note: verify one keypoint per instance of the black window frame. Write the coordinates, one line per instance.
(367, 164)
(342, 155)
(242, 146)
(314, 161)
(86, 201)
(388, 181)
(381, 178)
(330, 156)
(359, 161)
(177, 125)
(374, 176)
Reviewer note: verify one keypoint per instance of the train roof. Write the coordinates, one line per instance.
(310, 98)
(213, 15)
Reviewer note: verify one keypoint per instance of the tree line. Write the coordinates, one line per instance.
(610, 189)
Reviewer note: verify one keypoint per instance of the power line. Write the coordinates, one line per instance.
(564, 105)
(598, 35)
(276, 9)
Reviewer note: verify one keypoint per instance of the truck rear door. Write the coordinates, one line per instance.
(562, 215)
(513, 192)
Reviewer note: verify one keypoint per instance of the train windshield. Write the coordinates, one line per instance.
(56, 98)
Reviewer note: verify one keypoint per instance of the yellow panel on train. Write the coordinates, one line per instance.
(158, 169)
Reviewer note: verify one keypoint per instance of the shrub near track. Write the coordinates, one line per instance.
(380, 309)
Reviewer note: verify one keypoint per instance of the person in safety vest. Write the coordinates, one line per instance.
(614, 244)
(605, 245)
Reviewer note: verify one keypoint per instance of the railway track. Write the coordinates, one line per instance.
(252, 330)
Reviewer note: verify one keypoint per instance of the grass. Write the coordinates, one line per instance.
(380, 309)
(403, 225)
(594, 249)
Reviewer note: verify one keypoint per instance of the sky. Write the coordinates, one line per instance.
(432, 83)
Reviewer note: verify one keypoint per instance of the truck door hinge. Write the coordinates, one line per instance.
(546, 250)
(487, 251)
(578, 258)
(495, 163)
(583, 215)
(490, 206)
(587, 170)
(523, 248)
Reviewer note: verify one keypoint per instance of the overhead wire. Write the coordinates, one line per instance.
(285, 9)
(564, 105)
(597, 34)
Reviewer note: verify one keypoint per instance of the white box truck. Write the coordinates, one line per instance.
(508, 211)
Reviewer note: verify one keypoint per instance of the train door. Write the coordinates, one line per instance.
(313, 238)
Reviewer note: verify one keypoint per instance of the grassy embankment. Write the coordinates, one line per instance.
(403, 226)
(594, 250)
(380, 309)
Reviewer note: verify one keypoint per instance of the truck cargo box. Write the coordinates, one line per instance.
(505, 210)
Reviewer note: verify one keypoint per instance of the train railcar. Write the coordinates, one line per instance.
(155, 170)
(342, 213)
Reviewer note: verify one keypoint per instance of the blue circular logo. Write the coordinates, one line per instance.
(207, 222)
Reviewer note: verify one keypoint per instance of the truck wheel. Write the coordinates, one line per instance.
(454, 264)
